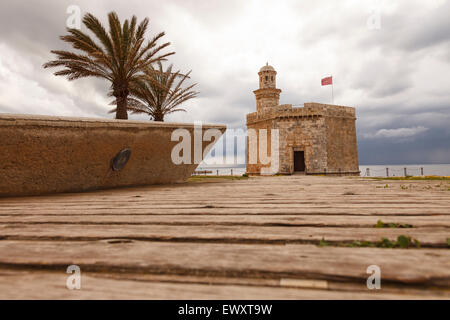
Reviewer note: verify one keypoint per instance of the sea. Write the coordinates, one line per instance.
(396, 170)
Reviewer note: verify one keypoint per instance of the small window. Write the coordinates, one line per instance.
(271, 78)
(267, 78)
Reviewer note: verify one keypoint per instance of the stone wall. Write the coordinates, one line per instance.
(342, 153)
(59, 154)
(255, 168)
(302, 134)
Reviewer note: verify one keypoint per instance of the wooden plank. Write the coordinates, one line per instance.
(146, 196)
(166, 201)
(215, 219)
(400, 266)
(195, 203)
(426, 236)
(298, 188)
(329, 285)
(51, 285)
(211, 209)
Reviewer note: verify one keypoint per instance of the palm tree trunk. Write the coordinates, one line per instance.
(159, 116)
(121, 111)
(120, 91)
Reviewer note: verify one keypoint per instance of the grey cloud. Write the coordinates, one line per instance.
(430, 147)
(410, 28)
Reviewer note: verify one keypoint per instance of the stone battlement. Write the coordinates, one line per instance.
(310, 109)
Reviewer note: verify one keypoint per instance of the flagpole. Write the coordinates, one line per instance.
(332, 90)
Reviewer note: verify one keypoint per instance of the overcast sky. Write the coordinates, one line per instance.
(389, 59)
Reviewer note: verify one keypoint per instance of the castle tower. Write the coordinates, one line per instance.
(314, 139)
(267, 95)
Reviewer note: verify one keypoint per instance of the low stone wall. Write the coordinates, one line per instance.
(41, 154)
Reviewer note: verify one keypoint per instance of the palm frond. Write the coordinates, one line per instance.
(161, 91)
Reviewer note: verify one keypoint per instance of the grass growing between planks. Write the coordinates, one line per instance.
(402, 242)
(425, 178)
(381, 224)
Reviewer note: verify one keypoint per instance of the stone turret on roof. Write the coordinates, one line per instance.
(267, 68)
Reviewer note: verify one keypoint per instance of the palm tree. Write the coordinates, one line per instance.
(159, 93)
(120, 57)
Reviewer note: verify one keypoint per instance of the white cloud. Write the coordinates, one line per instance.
(397, 133)
(21, 93)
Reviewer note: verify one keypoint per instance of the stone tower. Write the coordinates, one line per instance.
(267, 95)
(316, 138)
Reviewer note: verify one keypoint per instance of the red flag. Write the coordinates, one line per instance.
(327, 81)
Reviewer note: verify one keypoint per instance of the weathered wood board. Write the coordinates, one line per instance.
(255, 238)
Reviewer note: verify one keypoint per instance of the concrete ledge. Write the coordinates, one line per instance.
(343, 173)
(44, 154)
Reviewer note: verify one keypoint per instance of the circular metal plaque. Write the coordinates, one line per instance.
(121, 159)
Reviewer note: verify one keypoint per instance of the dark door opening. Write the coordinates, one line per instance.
(299, 161)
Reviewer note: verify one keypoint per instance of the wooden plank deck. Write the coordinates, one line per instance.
(257, 238)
